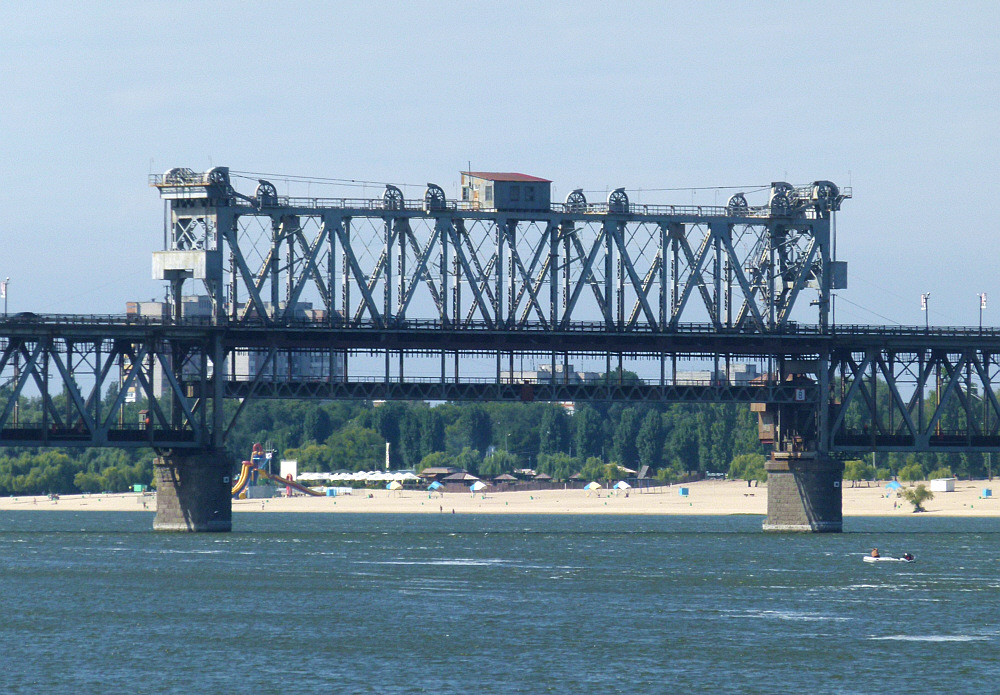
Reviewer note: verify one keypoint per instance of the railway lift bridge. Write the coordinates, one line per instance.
(437, 299)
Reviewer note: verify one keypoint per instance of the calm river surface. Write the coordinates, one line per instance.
(335, 603)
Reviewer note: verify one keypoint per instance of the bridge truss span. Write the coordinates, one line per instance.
(902, 390)
(67, 383)
(926, 396)
(384, 261)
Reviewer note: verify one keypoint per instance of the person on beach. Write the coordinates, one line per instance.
(875, 552)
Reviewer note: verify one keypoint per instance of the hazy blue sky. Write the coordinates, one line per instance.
(899, 100)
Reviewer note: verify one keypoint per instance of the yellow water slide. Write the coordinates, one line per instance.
(244, 478)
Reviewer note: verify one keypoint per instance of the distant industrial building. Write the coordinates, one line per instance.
(505, 191)
(739, 374)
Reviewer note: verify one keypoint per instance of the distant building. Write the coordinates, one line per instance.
(544, 375)
(740, 374)
(506, 191)
(192, 306)
(438, 473)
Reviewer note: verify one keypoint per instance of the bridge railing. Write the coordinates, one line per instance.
(377, 205)
(29, 319)
(905, 331)
(380, 205)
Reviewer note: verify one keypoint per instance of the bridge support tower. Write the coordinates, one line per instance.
(193, 491)
(804, 492)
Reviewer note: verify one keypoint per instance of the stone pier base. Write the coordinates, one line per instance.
(193, 492)
(804, 493)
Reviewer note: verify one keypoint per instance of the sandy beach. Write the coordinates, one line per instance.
(710, 497)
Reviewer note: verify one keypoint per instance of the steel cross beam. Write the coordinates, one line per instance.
(66, 383)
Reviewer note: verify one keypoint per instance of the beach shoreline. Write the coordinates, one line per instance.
(707, 497)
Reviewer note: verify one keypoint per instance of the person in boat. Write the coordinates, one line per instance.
(908, 557)
(875, 552)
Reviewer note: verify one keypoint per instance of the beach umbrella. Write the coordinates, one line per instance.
(622, 485)
(394, 485)
(592, 486)
(435, 486)
(477, 486)
(893, 486)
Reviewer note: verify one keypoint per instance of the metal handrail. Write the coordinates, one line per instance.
(378, 205)
(25, 319)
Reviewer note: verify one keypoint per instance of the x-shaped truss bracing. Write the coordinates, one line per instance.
(916, 400)
(72, 392)
(351, 262)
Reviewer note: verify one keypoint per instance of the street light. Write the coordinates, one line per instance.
(982, 305)
(923, 307)
(3, 291)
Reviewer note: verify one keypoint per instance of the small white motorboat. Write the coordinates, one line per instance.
(880, 558)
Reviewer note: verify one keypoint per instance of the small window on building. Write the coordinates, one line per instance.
(489, 194)
(515, 193)
(529, 193)
(465, 193)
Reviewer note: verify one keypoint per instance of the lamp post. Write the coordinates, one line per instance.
(923, 307)
(982, 305)
(3, 291)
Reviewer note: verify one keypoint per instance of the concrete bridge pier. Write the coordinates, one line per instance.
(193, 491)
(804, 493)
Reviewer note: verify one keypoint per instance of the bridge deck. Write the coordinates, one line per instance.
(875, 374)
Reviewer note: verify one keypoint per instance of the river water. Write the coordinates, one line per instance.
(335, 603)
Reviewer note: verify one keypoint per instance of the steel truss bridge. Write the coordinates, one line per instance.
(337, 298)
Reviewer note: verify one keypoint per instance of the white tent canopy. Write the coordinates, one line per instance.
(361, 476)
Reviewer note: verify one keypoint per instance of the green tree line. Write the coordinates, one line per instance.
(493, 438)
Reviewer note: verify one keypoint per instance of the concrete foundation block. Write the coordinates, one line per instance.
(804, 493)
(193, 492)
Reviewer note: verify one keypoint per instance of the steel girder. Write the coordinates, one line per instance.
(512, 390)
(76, 374)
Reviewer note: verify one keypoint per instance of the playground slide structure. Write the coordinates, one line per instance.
(291, 483)
(254, 465)
(244, 478)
